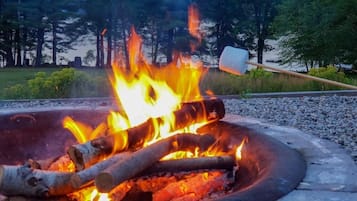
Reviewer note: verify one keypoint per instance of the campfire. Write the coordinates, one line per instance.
(149, 143)
(164, 140)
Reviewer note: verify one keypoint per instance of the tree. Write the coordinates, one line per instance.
(225, 25)
(61, 17)
(8, 24)
(318, 32)
(261, 13)
(95, 20)
(89, 58)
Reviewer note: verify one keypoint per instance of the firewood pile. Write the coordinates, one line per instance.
(134, 171)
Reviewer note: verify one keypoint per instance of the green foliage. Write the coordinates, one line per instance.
(257, 81)
(330, 73)
(65, 83)
(18, 91)
(258, 73)
(318, 32)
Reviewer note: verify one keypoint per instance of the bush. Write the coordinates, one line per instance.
(258, 73)
(65, 83)
(17, 91)
(330, 73)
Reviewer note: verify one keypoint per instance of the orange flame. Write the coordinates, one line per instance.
(239, 149)
(194, 22)
(78, 129)
(144, 91)
(81, 131)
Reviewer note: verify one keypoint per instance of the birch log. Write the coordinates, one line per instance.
(23, 180)
(147, 156)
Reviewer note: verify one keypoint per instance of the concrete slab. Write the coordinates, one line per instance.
(331, 173)
(303, 195)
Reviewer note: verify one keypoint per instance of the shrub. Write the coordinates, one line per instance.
(65, 83)
(258, 73)
(17, 91)
(330, 73)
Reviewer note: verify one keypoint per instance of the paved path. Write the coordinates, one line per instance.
(331, 173)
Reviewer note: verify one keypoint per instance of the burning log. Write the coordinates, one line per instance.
(191, 164)
(80, 179)
(83, 177)
(23, 180)
(145, 157)
(84, 155)
(194, 188)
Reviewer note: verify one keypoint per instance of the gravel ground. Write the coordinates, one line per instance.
(328, 117)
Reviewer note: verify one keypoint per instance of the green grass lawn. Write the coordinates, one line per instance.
(223, 83)
(219, 83)
(12, 76)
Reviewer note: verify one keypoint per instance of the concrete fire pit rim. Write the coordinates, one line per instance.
(278, 177)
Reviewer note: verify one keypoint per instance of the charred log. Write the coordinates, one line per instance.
(192, 164)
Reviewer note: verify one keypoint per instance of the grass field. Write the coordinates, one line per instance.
(218, 82)
(12, 76)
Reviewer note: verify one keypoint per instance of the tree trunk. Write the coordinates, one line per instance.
(170, 45)
(97, 63)
(126, 53)
(109, 42)
(54, 43)
(24, 41)
(18, 47)
(156, 47)
(109, 51)
(218, 41)
(101, 51)
(40, 41)
(260, 49)
(8, 48)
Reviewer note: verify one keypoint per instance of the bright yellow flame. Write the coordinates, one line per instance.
(83, 132)
(90, 194)
(145, 91)
(99, 196)
(240, 147)
(80, 130)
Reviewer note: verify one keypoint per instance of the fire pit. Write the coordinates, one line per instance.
(268, 169)
(120, 152)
